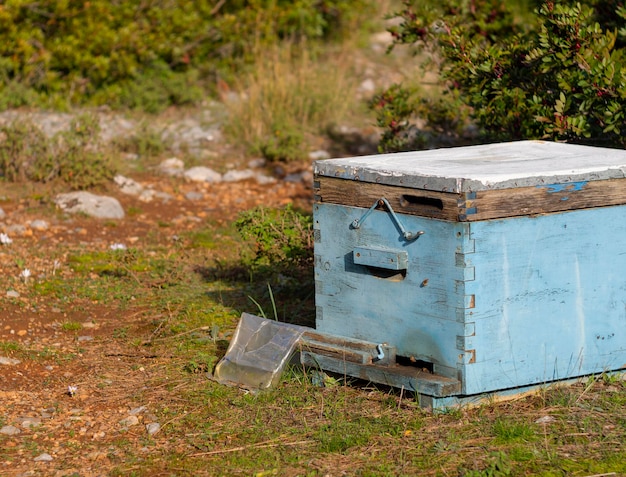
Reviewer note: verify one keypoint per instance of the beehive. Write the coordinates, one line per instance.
(471, 270)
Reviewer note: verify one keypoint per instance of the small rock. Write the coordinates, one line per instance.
(319, 154)
(545, 420)
(137, 410)
(129, 421)
(12, 294)
(172, 167)
(45, 457)
(382, 38)
(146, 195)
(236, 176)
(307, 177)
(127, 185)
(153, 428)
(367, 86)
(202, 174)
(101, 207)
(9, 361)
(194, 196)
(9, 430)
(29, 422)
(163, 196)
(85, 338)
(256, 163)
(264, 179)
(39, 225)
(96, 455)
(2, 213)
(304, 176)
(16, 229)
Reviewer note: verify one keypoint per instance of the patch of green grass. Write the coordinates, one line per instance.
(205, 239)
(202, 362)
(9, 347)
(110, 262)
(561, 396)
(522, 453)
(507, 430)
(55, 286)
(121, 333)
(71, 326)
(341, 435)
(23, 352)
(133, 211)
(499, 466)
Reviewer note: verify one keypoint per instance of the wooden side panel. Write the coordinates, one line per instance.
(403, 200)
(550, 298)
(475, 206)
(419, 310)
(544, 199)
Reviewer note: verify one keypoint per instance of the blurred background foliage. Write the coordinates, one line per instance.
(148, 54)
(505, 69)
(550, 70)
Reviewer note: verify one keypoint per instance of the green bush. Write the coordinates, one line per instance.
(285, 143)
(72, 156)
(282, 239)
(23, 148)
(559, 77)
(146, 54)
(81, 164)
(394, 109)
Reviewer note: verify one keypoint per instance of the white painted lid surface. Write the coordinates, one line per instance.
(483, 167)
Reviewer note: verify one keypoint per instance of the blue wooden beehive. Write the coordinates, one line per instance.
(464, 271)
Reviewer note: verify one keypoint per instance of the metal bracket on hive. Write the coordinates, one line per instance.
(408, 236)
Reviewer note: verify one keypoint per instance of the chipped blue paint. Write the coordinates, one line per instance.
(564, 187)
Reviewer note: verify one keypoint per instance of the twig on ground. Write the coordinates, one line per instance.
(260, 445)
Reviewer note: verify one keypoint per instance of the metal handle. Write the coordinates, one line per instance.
(356, 223)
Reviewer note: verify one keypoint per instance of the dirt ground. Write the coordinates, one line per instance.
(76, 433)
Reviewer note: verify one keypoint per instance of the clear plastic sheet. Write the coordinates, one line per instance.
(258, 353)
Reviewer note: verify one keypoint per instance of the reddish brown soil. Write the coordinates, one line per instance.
(78, 431)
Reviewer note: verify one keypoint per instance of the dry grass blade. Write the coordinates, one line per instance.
(259, 445)
(290, 92)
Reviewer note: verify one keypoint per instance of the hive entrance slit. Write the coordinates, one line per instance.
(419, 201)
(386, 274)
(416, 363)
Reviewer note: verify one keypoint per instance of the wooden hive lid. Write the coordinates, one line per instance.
(483, 182)
(482, 167)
